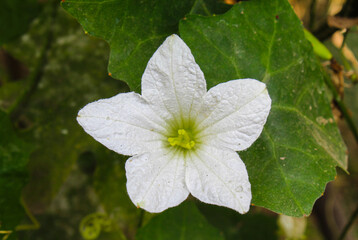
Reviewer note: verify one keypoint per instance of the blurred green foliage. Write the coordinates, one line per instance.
(15, 18)
(14, 155)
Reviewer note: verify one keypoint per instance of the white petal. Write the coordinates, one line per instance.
(218, 177)
(124, 123)
(155, 181)
(233, 113)
(173, 80)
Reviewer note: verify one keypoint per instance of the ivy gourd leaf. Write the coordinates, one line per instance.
(182, 222)
(296, 155)
(14, 155)
(135, 30)
(15, 18)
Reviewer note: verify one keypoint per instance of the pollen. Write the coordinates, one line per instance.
(182, 140)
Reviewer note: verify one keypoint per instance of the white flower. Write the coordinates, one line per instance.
(182, 139)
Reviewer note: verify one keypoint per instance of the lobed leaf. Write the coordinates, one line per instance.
(135, 30)
(296, 155)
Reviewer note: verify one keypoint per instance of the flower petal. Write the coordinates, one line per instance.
(155, 181)
(124, 123)
(233, 113)
(173, 80)
(218, 177)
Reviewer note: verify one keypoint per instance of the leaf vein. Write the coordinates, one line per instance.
(288, 187)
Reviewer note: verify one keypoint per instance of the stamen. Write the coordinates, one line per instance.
(183, 140)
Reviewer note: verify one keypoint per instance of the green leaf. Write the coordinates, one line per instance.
(296, 155)
(15, 18)
(133, 30)
(14, 155)
(236, 226)
(182, 222)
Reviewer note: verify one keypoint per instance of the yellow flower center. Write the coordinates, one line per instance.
(183, 140)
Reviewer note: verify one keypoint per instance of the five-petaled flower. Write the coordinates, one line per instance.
(182, 138)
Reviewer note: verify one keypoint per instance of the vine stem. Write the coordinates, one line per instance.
(140, 220)
(35, 224)
(345, 34)
(6, 234)
(343, 57)
(348, 225)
